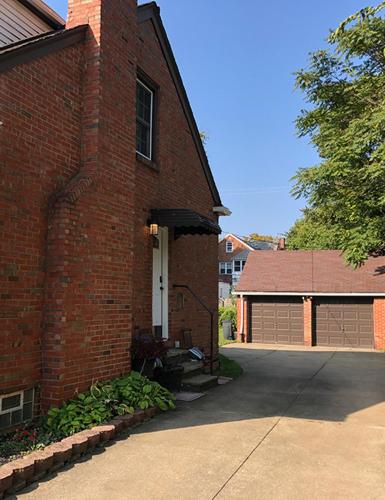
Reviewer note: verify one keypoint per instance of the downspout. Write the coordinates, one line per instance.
(242, 319)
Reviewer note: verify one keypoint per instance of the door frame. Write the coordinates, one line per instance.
(161, 280)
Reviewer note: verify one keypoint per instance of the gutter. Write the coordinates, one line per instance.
(313, 294)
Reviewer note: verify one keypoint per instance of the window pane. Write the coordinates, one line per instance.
(11, 402)
(237, 266)
(143, 120)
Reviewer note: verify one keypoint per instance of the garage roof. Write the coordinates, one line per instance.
(307, 272)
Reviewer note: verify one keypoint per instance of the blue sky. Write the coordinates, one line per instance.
(237, 61)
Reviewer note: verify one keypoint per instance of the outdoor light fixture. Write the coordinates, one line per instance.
(154, 229)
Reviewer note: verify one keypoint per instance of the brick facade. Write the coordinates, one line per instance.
(308, 321)
(76, 254)
(238, 247)
(379, 322)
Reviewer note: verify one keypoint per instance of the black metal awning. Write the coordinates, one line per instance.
(184, 221)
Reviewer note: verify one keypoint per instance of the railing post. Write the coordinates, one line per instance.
(198, 299)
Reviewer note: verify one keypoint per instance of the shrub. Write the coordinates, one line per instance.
(228, 314)
(106, 400)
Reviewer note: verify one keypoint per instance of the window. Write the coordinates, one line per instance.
(229, 247)
(144, 119)
(225, 268)
(16, 408)
(239, 265)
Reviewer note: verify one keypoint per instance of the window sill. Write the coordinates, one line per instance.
(147, 162)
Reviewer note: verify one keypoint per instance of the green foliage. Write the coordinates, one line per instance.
(228, 368)
(228, 313)
(21, 442)
(345, 87)
(309, 233)
(259, 237)
(106, 400)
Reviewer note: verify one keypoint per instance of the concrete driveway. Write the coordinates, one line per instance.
(299, 424)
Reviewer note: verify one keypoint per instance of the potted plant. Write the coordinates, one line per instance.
(147, 353)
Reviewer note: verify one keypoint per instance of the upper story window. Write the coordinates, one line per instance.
(239, 265)
(144, 119)
(226, 268)
(229, 246)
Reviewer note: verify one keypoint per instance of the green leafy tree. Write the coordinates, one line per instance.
(345, 86)
(309, 233)
(259, 237)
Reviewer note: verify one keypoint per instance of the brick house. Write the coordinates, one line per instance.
(312, 298)
(107, 199)
(232, 255)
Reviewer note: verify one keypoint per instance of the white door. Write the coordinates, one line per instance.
(160, 283)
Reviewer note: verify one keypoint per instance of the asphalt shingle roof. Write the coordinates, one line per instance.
(322, 271)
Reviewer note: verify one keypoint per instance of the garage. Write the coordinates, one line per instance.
(277, 320)
(344, 322)
(312, 298)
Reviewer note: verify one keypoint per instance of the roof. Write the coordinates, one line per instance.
(262, 244)
(39, 45)
(310, 272)
(42, 10)
(184, 221)
(241, 255)
(253, 244)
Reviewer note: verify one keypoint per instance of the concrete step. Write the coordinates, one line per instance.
(192, 368)
(200, 382)
(176, 357)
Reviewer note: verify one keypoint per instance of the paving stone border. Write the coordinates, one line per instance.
(17, 474)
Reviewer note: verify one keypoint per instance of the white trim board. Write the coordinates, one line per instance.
(314, 294)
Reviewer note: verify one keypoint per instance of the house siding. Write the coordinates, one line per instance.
(18, 23)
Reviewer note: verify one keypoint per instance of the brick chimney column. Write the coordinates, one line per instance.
(88, 288)
(308, 321)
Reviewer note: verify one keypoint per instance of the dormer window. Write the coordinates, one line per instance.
(229, 247)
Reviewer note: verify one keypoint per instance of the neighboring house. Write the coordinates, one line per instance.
(312, 298)
(21, 20)
(232, 254)
(107, 200)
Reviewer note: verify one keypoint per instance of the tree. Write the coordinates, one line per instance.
(345, 86)
(259, 237)
(309, 233)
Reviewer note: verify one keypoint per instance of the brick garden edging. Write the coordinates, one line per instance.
(17, 474)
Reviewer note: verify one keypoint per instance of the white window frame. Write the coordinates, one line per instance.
(229, 247)
(228, 266)
(14, 408)
(138, 80)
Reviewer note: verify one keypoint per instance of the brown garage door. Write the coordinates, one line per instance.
(344, 322)
(275, 321)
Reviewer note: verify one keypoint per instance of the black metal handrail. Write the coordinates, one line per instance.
(198, 299)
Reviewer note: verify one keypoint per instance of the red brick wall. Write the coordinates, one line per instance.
(39, 153)
(379, 323)
(177, 181)
(76, 256)
(308, 321)
(90, 237)
(238, 247)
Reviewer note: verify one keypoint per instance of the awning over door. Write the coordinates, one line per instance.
(184, 221)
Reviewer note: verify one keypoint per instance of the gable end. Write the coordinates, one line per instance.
(151, 11)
